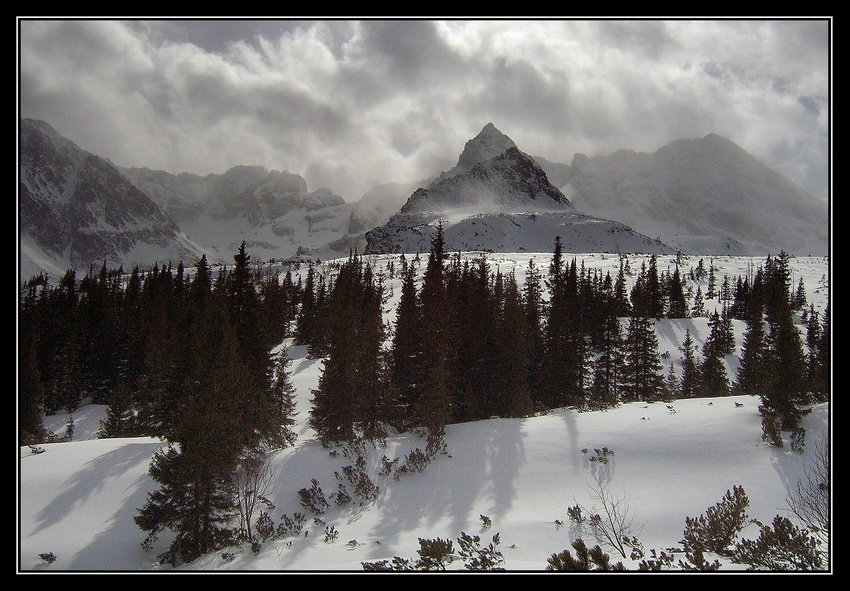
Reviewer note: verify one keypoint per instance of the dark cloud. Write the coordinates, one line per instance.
(351, 104)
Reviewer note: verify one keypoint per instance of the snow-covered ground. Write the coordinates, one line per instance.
(77, 499)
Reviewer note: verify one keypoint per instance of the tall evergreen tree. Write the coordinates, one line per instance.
(753, 371)
(820, 363)
(534, 314)
(31, 429)
(678, 307)
(350, 401)
(407, 350)
(512, 394)
(714, 380)
(435, 405)
(196, 500)
(607, 367)
(690, 382)
(642, 377)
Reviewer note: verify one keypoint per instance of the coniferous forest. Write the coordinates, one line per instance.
(193, 357)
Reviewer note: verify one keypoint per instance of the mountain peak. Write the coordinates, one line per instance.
(489, 143)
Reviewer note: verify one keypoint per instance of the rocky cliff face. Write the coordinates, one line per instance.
(80, 210)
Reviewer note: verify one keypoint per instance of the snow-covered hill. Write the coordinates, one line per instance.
(77, 500)
(691, 192)
(500, 202)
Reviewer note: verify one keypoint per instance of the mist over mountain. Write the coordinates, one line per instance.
(693, 190)
(272, 211)
(77, 209)
(504, 202)
(705, 196)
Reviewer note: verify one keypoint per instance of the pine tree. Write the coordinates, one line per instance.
(713, 376)
(607, 372)
(31, 429)
(196, 500)
(622, 307)
(698, 309)
(351, 401)
(672, 384)
(533, 306)
(753, 376)
(435, 404)
(654, 289)
(690, 382)
(566, 347)
(642, 377)
(284, 392)
(678, 308)
(407, 350)
(800, 296)
(512, 395)
(821, 362)
(711, 292)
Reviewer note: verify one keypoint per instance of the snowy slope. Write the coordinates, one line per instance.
(78, 499)
(691, 190)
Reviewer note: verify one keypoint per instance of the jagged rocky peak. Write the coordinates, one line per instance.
(490, 142)
(509, 182)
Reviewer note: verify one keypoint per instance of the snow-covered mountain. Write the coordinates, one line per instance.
(691, 193)
(703, 196)
(78, 210)
(497, 198)
(272, 211)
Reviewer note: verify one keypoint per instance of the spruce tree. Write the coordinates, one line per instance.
(690, 382)
(821, 362)
(753, 376)
(196, 500)
(642, 377)
(407, 351)
(607, 367)
(512, 394)
(678, 307)
(534, 314)
(714, 380)
(435, 404)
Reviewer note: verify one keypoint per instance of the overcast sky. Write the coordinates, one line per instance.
(351, 104)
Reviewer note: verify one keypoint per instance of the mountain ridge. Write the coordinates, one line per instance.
(706, 196)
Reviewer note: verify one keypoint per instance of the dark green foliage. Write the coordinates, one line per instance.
(195, 501)
(477, 557)
(783, 547)
(313, 498)
(696, 561)
(713, 377)
(354, 397)
(642, 377)
(397, 564)
(30, 394)
(586, 559)
(690, 379)
(291, 526)
(716, 530)
(48, 557)
(753, 372)
(434, 554)
(677, 307)
(656, 562)
(265, 527)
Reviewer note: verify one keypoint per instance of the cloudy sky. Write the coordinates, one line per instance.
(351, 104)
